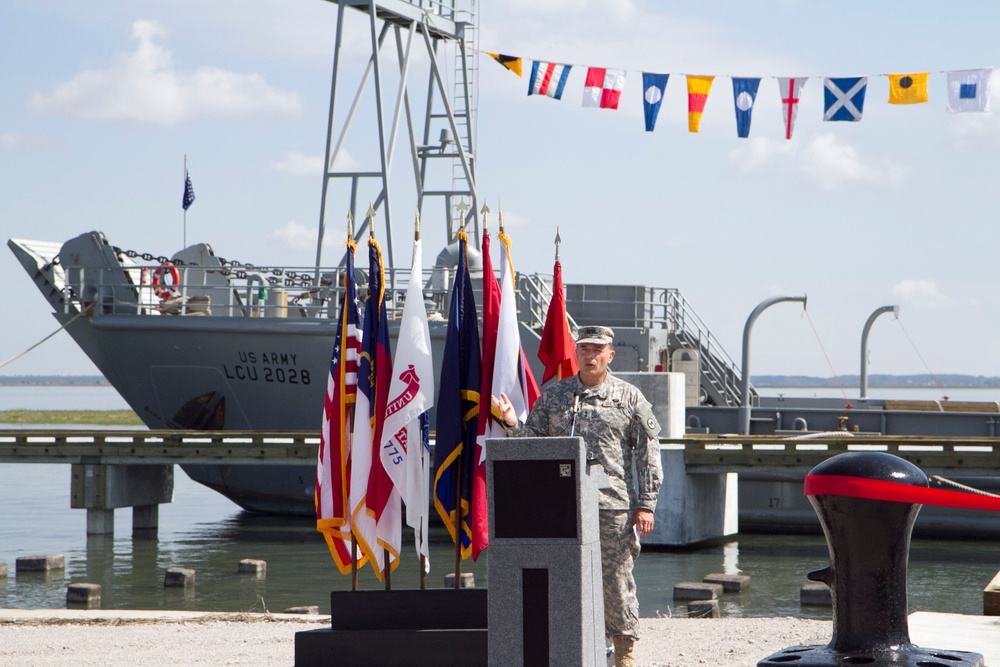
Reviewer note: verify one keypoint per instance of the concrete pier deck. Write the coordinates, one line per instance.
(149, 638)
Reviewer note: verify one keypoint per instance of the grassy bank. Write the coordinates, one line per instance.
(96, 417)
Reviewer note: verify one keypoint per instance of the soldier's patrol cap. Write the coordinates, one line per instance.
(596, 335)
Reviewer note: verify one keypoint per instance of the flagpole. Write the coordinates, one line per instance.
(422, 450)
(458, 521)
(354, 543)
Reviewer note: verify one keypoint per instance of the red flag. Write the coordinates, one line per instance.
(333, 467)
(511, 376)
(491, 316)
(557, 349)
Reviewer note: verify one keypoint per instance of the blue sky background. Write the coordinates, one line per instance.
(98, 109)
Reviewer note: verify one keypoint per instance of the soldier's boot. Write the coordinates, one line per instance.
(623, 651)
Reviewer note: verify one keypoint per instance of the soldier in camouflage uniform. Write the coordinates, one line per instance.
(617, 424)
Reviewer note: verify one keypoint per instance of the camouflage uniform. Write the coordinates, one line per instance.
(618, 426)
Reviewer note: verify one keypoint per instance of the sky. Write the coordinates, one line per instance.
(99, 109)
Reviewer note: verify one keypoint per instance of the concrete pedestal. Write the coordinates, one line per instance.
(546, 604)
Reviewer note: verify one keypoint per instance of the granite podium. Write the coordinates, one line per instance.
(546, 604)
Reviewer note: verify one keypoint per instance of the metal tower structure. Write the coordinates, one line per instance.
(442, 148)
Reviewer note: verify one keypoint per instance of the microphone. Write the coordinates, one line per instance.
(575, 411)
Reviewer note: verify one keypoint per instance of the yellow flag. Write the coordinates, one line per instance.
(513, 63)
(698, 87)
(908, 88)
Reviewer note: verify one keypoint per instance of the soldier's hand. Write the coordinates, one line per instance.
(505, 408)
(643, 522)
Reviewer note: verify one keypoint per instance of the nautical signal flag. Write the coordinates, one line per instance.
(548, 79)
(908, 88)
(844, 99)
(513, 63)
(698, 87)
(653, 87)
(969, 90)
(744, 95)
(790, 89)
(603, 87)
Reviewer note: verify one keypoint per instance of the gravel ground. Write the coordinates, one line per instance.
(262, 640)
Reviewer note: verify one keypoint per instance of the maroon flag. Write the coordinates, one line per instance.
(491, 315)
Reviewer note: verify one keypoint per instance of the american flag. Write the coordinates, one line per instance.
(188, 192)
(333, 468)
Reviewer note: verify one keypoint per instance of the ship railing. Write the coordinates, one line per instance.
(722, 372)
(246, 291)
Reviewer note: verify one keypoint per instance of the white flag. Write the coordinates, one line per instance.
(969, 90)
(507, 372)
(790, 89)
(411, 393)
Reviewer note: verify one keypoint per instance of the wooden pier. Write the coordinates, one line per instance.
(115, 469)
(158, 447)
(783, 456)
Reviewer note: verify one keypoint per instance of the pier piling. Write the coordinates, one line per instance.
(40, 563)
(178, 577)
(83, 596)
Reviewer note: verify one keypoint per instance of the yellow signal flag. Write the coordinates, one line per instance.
(513, 63)
(908, 88)
(698, 87)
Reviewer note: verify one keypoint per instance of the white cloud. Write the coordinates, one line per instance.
(145, 86)
(755, 153)
(298, 163)
(295, 235)
(13, 140)
(919, 294)
(824, 158)
(831, 163)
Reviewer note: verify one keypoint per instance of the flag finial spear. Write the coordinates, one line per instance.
(462, 208)
(500, 215)
(416, 226)
(558, 241)
(350, 225)
(371, 221)
(485, 211)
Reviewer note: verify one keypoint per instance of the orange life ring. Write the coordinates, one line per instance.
(164, 289)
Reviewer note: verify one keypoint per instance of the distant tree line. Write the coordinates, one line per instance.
(53, 379)
(878, 380)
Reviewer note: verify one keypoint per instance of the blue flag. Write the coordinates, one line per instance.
(458, 409)
(844, 99)
(188, 192)
(653, 86)
(744, 95)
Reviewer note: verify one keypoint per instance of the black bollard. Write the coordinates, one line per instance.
(869, 544)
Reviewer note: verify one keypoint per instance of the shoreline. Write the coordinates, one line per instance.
(53, 637)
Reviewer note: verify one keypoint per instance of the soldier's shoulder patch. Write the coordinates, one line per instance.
(644, 411)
